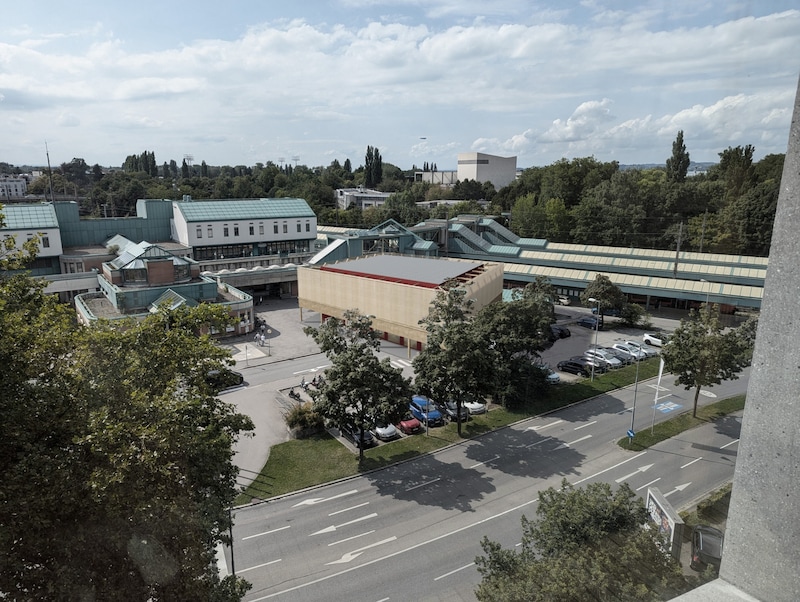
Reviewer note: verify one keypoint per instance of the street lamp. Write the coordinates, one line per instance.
(269, 335)
(596, 329)
(708, 287)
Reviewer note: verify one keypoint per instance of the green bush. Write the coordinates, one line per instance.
(304, 421)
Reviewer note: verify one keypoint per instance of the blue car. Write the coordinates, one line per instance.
(424, 410)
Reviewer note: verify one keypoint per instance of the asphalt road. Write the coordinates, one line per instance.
(412, 531)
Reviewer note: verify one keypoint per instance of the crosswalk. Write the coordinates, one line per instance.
(401, 364)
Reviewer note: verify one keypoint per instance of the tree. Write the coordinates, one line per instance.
(373, 167)
(588, 544)
(358, 387)
(452, 364)
(115, 455)
(605, 293)
(701, 353)
(678, 163)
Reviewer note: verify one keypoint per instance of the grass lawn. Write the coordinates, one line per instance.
(302, 463)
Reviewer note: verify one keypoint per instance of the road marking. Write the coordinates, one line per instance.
(648, 484)
(484, 462)
(423, 484)
(348, 509)
(319, 500)
(563, 445)
(678, 488)
(336, 543)
(544, 426)
(466, 566)
(707, 394)
(658, 387)
(317, 369)
(333, 528)
(539, 442)
(266, 532)
(692, 462)
(258, 566)
(729, 444)
(583, 426)
(634, 473)
(597, 474)
(405, 550)
(350, 556)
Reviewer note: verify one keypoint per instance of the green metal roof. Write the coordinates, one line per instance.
(243, 209)
(29, 217)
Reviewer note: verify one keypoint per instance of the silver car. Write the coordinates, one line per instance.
(611, 361)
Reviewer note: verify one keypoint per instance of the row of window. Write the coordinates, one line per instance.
(251, 229)
(250, 250)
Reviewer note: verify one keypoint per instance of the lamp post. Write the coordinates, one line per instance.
(596, 329)
(708, 287)
(269, 348)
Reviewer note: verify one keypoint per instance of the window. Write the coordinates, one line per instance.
(236, 230)
(45, 241)
(210, 232)
(285, 228)
(261, 229)
(308, 227)
(225, 231)
(252, 230)
(199, 231)
(275, 228)
(299, 228)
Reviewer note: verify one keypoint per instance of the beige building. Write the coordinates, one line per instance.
(396, 289)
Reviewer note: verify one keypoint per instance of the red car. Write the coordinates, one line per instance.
(409, 425)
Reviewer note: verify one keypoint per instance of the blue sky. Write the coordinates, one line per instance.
(242, 82)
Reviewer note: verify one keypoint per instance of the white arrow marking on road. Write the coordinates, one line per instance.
(333, 528)
(678, 488)
(634, 473)
(544, 426)
(317, 369)
(319, 500)
(356, 553)
(692, 462)
(563, 445)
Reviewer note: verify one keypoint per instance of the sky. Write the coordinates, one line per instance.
(250, 81)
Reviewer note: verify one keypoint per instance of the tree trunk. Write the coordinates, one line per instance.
(696, 397)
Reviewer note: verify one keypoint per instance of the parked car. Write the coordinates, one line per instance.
(706, 547)
(563, 300)
(560, 332)
(408, 424)
(600, 366)
(220, 380)
(450, 409)
(386, 431)
(475, 405)
(622, 356)
(634, 354)
(551, 377)
(354, 434)
(647, 350)
(655, 340)
(581, 368)
(610, 360)
(425, 411)
(608, 311)
(590, 322)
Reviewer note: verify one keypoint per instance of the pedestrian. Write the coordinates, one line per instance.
(255, 338)
(263, 340)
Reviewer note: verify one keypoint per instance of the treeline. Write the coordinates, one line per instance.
(728, 209)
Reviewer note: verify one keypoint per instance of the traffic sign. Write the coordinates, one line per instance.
(631, 433)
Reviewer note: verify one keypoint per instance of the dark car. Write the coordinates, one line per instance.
(581, 368)
(561, 332)
(590, 322)
(220, 380)
(706, 547)
(609, 311)
(353, 434)
(600, 366)
(450, 409)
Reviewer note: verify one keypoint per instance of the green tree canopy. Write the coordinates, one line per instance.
(588, 544)
(701, 352)
(678, 163)
(115, 455)
(358, 387)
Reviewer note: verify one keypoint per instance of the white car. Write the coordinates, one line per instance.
(647, 350)
(386, 432)
(611, 361)
(563, 300)
(655, 340)
(474, 406)
(636, 354)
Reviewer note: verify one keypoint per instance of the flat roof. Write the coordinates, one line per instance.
(243, 209)
(421, 271)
